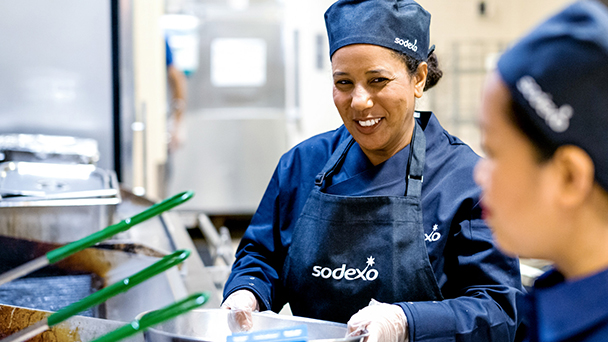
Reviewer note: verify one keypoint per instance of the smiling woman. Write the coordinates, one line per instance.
(377, 223)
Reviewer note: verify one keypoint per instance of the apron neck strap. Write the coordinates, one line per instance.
(335, 161)
(415, 163)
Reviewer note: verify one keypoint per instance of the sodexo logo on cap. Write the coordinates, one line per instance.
(407, 44)
(557, 118)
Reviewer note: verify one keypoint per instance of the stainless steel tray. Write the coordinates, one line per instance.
(56, 202)
(211, 325)
(49, 184)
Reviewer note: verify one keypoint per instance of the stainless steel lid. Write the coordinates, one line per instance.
(49, 184)
(39, 147)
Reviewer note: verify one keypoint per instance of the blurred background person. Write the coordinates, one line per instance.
(178, 90)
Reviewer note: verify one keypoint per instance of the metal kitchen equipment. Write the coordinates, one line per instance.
(211, 325)
(106, 263)
(99, 296)
(55, 90)
(155, 317)
(51, 290)
(48, 149)
(27, 181)
(76, 246)
(40, 200)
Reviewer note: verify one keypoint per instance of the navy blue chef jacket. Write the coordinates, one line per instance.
(560, 311)
(480, 284)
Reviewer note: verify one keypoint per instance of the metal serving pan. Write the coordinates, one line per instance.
(26, 184)
(55, 202)
(48, 148)
(75, 329)
(211, 325)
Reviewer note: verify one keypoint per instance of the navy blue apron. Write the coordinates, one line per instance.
(346, 250)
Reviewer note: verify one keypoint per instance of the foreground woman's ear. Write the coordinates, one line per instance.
(576, 175)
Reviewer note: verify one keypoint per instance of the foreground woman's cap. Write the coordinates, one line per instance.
(401, 25)
(558, 74)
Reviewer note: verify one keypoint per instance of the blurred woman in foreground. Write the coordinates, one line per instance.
(544, 124)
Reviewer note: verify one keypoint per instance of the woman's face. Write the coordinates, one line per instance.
(375, 96)
(517, 189)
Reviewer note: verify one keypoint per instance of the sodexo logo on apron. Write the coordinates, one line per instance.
(433, 236)
(367, 274)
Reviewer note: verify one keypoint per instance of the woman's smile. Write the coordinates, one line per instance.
(369, 122)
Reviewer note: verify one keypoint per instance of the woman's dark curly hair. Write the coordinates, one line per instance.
(434, 73)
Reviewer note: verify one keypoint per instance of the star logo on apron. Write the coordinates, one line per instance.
(370, 261)
(434, 235)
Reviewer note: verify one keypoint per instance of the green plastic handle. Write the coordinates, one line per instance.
(155, 317)
(121, 286)
(88, 241)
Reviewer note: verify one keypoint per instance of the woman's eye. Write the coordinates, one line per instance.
(343, 82)
(379, 80)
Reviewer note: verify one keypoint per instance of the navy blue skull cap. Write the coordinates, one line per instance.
(401, 25)
(558, 74)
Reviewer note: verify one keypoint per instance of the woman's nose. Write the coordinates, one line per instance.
(361, 99)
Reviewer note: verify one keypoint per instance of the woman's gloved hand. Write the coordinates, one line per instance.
(241, 304)
(384, 323)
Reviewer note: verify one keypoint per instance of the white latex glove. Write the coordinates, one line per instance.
(241, 304)
(384, 323)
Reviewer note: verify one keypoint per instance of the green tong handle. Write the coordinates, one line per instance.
(88, 241)
(155, 317)
(121, 286)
